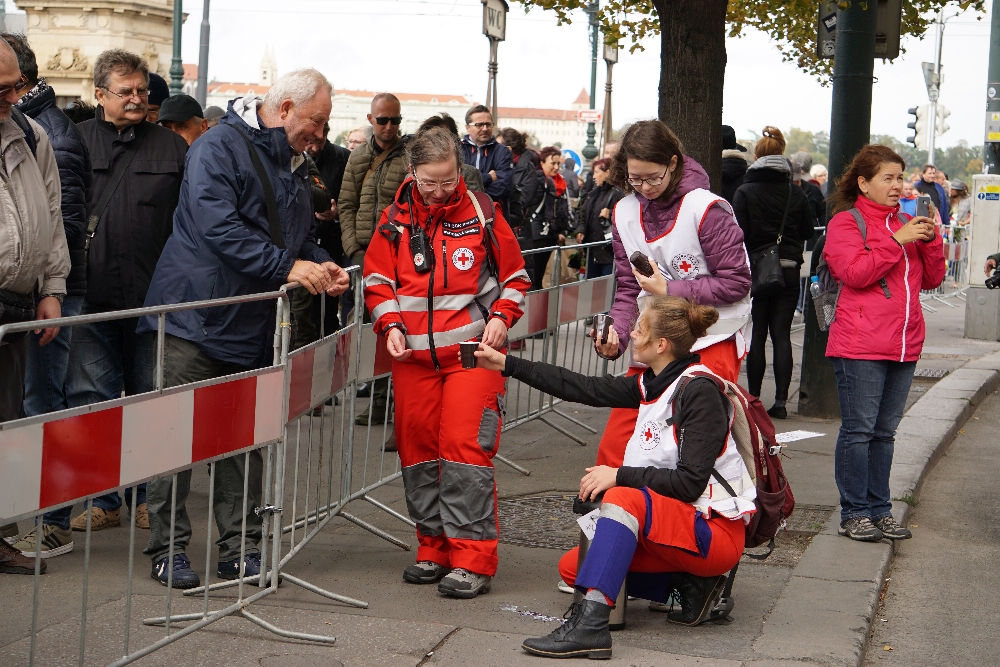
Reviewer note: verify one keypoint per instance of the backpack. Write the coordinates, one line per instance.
(29, 134)
(825, 301)
(753, 433)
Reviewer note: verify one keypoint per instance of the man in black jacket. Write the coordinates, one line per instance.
(734, 164)
(44, 389)
(134, 219)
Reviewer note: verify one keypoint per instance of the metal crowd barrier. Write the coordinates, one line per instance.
(314, 460)
(956, 279)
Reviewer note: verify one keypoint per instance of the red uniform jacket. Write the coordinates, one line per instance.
(452, 301)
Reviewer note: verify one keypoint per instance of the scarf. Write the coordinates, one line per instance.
(776, 162)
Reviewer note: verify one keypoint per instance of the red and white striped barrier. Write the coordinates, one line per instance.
(374, 359)
(47, 463)
(956, 252)
(586, 298)
(320, 371)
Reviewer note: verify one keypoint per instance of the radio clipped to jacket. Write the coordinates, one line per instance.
(420, 249)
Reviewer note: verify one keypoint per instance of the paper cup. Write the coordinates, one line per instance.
(468, 350)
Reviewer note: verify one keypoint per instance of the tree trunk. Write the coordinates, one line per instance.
(692, 73)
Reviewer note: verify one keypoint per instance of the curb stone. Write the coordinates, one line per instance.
(824, 613)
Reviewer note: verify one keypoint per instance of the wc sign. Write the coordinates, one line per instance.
(495, 19)
(989, 192)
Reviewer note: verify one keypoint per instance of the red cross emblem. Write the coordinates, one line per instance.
(649, 436)
(685, 266)
(463, 259)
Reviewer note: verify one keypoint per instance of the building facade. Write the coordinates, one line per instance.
(68, 35)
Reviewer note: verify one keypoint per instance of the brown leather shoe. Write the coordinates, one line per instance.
(141, 516)
(99, 520)
(13, 561)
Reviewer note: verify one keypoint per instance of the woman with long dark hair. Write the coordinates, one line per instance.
(595, 219)
(772, 209)
(883, 260)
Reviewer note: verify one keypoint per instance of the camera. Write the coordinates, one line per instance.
(993, 281)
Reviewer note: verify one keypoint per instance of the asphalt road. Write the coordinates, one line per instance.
(940, 604)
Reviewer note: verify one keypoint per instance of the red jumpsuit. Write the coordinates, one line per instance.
(448, 419)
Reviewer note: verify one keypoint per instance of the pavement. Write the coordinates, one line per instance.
(812, 601)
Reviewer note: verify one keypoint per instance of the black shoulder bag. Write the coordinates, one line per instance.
(765, 262)
(273, 221)
(116, 178)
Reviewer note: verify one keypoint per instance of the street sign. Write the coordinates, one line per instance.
(611, 53)
(888, 21)
(992, 126)
(589, 116)
(568, 153)
(495, 19)
(826, 29)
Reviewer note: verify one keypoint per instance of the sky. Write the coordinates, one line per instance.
(428, 46)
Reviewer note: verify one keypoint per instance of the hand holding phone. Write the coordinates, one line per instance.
(923, 206)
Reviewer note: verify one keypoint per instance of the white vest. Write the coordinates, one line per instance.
(679, 255)
(654, 443)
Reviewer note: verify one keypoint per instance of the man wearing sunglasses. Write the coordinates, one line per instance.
(374, 173)
(493, 159)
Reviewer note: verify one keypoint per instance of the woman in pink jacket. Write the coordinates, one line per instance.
(878, 332)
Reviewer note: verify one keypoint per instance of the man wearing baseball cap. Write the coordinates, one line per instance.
(183, 115)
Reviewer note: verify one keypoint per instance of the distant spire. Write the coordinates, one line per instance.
(268, 68)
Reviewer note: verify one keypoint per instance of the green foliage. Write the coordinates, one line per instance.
(791, 23)
(909, 499)
(961, 161)
(816, 144)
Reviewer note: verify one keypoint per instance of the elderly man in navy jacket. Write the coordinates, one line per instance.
(224, 245)
(494, 160)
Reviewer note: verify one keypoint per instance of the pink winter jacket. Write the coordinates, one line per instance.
(869, 325)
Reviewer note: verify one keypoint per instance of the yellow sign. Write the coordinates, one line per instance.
(989, 188)
(993, 136)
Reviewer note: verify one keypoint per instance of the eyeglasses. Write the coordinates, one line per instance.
(651, 182)
(386, 120)
(17, 87)
(429, 186)
(128, 94)
(480, 126)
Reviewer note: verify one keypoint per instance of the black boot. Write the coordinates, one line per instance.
(699, 595)
(584, 634)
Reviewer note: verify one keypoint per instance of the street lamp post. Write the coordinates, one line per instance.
(610, 57)
(933, 79)
(202, 92)
(494, 27)
(590, 150)
(176, 65)
(991, 152)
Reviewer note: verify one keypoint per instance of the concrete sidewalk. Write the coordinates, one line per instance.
(811, 601)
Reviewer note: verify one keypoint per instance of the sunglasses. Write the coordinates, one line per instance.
(386, 120)
(18, 87)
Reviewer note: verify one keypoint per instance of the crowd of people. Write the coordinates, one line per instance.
(148, 199)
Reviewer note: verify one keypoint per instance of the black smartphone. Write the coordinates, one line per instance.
(923, 206)
(641, 263)
(602, 328)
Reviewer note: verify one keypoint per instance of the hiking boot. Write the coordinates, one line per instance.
(699, 595)
(584, 634)
(460, 583)
(13, 561)
(183, 577)
(141, 517)
(860, 528)
(778, 412)
(55, 542)
(891, 529)
(424, 572)
(99, 519)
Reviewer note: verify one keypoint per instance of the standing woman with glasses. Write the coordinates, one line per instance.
(444, 267)
(878, 332)
(772, 209)
(547, 212)
(695, 247)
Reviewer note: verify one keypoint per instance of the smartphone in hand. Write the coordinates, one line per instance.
(641, 263)
(923, 206)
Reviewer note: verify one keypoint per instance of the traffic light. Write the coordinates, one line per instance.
(942, 113)
(921, 117)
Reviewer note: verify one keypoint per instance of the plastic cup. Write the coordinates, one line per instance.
(468, 351)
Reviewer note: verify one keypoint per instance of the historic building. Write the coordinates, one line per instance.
(67, 35)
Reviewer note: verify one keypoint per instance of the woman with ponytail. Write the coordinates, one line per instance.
(664, 517)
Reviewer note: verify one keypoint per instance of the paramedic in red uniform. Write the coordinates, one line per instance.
(444, 267)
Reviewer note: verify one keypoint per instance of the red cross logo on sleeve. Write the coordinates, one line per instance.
(463, 259)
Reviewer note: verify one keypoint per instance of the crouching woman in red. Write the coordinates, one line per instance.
(444, 267)
(664, 517)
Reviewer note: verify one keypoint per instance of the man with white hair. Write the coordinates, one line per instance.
(244, 224)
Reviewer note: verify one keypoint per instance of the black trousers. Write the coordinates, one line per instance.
(541, 259)
(773, 313)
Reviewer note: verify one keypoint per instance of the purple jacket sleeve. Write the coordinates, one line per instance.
(722, 242)
(625, 309)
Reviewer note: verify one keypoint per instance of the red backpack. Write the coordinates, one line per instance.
(754, 435)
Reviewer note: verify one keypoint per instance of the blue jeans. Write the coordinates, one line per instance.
(872, 399)
(107, 358)
(45, 380)
(596, 269)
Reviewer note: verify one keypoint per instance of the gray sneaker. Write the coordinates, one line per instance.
(860, 528)
(890, 528)
(464, 584)
(424, 572)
